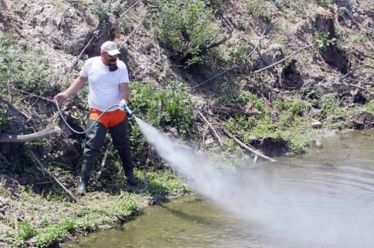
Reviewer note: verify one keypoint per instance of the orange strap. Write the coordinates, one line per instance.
(109, 119)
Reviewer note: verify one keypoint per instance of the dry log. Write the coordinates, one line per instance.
(14, 138)
(252, 150)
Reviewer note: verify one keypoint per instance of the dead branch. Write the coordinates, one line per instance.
(132, 33)
(81, 53)
(127, 10)
(14, 138)
(103, 162)
(247, 147)
(282, 60)
(211, 127)
(42, 168)
(13, 108)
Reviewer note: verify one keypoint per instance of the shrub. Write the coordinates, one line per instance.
(186, 29)
(259, 8)
(24, 69)
(330, 105)
(25, 232)
(322, 40)
(163, 108)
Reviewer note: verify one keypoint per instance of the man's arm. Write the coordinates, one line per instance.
(124, 90)
(73, 88)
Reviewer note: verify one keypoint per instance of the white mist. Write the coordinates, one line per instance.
(297, 206)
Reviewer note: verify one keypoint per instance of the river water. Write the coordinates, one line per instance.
(323, 199)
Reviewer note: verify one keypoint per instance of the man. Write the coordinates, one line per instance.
(108, 83)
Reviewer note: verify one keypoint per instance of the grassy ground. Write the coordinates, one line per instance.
(41, 220)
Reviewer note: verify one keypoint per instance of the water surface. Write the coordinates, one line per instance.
(323, 199)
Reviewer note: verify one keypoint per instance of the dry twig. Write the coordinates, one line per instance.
(43, 169)
(250, 149)
(211, 127)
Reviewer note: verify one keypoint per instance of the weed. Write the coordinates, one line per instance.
(25, 232)
(323, 3)
(322, 40)
(330, 105)
(127, 205)
(260, 8)
(53, 232)
(163, 183)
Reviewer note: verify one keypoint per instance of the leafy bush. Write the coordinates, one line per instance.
(23, 68)
(294, 106)
(186, 29)
(259, 8)
(25, 232)
(164, 108)
(330, 105)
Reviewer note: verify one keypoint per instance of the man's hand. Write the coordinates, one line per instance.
(61, 97)
(123, 104)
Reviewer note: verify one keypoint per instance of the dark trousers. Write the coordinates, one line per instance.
(95, 141)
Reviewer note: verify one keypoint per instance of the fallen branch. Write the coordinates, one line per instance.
(282, 60)
(211, 127)
(14, 138)
(13, 108)
(250, 149)
(103, 162)
(43, 169)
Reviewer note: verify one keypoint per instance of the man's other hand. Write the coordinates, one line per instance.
(61, 97)
(123, 104)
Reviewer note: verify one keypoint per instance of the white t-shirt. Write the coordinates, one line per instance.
(103, 85)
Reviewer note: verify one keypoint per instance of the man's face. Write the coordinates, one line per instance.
(109, 59)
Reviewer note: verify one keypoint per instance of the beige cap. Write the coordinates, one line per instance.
(110, 47)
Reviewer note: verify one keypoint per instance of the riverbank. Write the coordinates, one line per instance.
(43, 219)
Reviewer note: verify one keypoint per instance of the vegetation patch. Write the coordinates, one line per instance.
(96, 209)
(186, 29)
(291, 125)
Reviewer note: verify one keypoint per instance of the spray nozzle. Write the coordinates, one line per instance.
(128, 110)
(123, 105)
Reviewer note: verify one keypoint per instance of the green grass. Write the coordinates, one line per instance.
(164, 183)
(291, 125)
(52, 219)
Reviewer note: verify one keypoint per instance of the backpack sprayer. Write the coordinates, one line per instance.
(125, 108)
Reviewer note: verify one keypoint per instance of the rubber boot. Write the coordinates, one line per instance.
(82, 187)
(133, 180)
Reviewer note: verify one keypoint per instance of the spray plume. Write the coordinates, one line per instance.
(299, 206)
